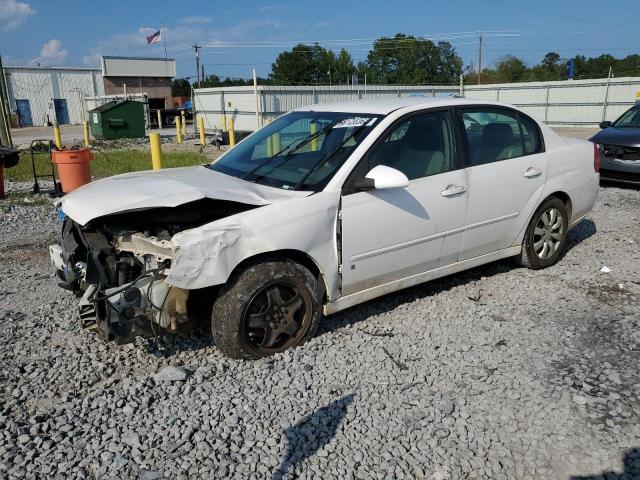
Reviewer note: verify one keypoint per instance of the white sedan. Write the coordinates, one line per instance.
(326, 207)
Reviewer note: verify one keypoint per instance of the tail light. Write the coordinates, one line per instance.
(596, 158)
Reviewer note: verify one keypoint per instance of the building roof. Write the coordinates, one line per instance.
(117, 57)
(35, 67)
(385, 106)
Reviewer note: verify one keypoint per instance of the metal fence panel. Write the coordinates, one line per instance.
(562, 103)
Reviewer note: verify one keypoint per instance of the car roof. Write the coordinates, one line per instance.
(384, 106)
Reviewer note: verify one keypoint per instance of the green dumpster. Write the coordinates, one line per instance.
(118, 119)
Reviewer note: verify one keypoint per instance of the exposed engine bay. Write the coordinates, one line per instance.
(119, 263)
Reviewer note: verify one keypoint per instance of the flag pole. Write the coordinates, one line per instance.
(164, 40)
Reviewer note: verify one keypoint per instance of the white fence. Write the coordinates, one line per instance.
(570, 103)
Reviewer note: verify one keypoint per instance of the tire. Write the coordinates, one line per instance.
(545, 229)
(171, 120)
(265, 309)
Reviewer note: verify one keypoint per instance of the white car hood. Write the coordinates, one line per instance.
(165, 188)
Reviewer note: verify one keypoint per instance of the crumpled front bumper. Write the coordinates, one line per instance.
(144, 307)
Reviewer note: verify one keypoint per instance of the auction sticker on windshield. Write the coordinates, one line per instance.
(354, 122)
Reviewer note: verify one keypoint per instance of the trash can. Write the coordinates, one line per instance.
(118, 119)
(73, 167)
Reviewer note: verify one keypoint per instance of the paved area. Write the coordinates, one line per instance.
(496, 373)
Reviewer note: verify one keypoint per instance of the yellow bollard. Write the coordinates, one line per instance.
(156, 151)
(224, 122)
(56, 135)
(232, 134)
(276, 143)
(85, 124)
(178, 129)
(203, 140)
(184, 122)
(314, 130)
(269, 147)
(159, 118)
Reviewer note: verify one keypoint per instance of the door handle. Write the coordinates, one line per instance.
(532, 172)
(452, 190)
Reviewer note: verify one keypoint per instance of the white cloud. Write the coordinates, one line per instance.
(270, 8)
(195, 20)
(52, 54)
(129, 43)
(13, 13)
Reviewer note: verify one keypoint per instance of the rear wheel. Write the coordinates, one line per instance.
(267, 308)
(545, 236)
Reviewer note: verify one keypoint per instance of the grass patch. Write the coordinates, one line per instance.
(111, 162)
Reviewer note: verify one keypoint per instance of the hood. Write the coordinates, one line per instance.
(165, 188)
(624, 137)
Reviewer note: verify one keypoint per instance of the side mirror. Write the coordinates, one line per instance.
(605, 124)
(382, 178)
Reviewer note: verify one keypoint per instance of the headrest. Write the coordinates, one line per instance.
(498, 134)
(425, 135)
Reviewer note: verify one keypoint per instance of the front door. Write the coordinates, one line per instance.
(24, 113)
(62, 114)
(507, 170)
(392, 234)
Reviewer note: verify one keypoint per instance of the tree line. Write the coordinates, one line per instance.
(409, 60)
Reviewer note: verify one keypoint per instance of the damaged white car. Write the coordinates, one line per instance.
(324, 208)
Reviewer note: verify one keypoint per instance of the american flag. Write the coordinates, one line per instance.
(155, 38)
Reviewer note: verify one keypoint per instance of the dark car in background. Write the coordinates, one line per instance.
(619, 145)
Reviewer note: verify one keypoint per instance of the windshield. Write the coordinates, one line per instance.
(300, 150)
(629, 119)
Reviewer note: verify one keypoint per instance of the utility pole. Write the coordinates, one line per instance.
(479, 58)
(197, 48)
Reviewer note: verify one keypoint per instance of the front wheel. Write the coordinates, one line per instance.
(266, 309)
(545, 236)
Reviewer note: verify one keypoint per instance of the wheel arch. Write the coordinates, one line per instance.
(564, 197)
(297, 256)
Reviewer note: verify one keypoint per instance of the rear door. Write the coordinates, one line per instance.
(507, 170)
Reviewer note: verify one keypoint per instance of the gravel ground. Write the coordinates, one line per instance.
(496, 373)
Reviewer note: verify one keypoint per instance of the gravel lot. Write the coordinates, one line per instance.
(496, 373)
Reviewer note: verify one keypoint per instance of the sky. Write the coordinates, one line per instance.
(239, 36)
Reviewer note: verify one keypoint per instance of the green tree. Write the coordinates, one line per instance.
(343, 67)
(301, 65)
(180, 87)
(405, 59)
(510, 69)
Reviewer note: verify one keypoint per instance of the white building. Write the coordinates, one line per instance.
(41, 95)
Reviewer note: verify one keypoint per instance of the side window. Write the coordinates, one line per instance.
(420, 147)
(492, 135)
(530, 135)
